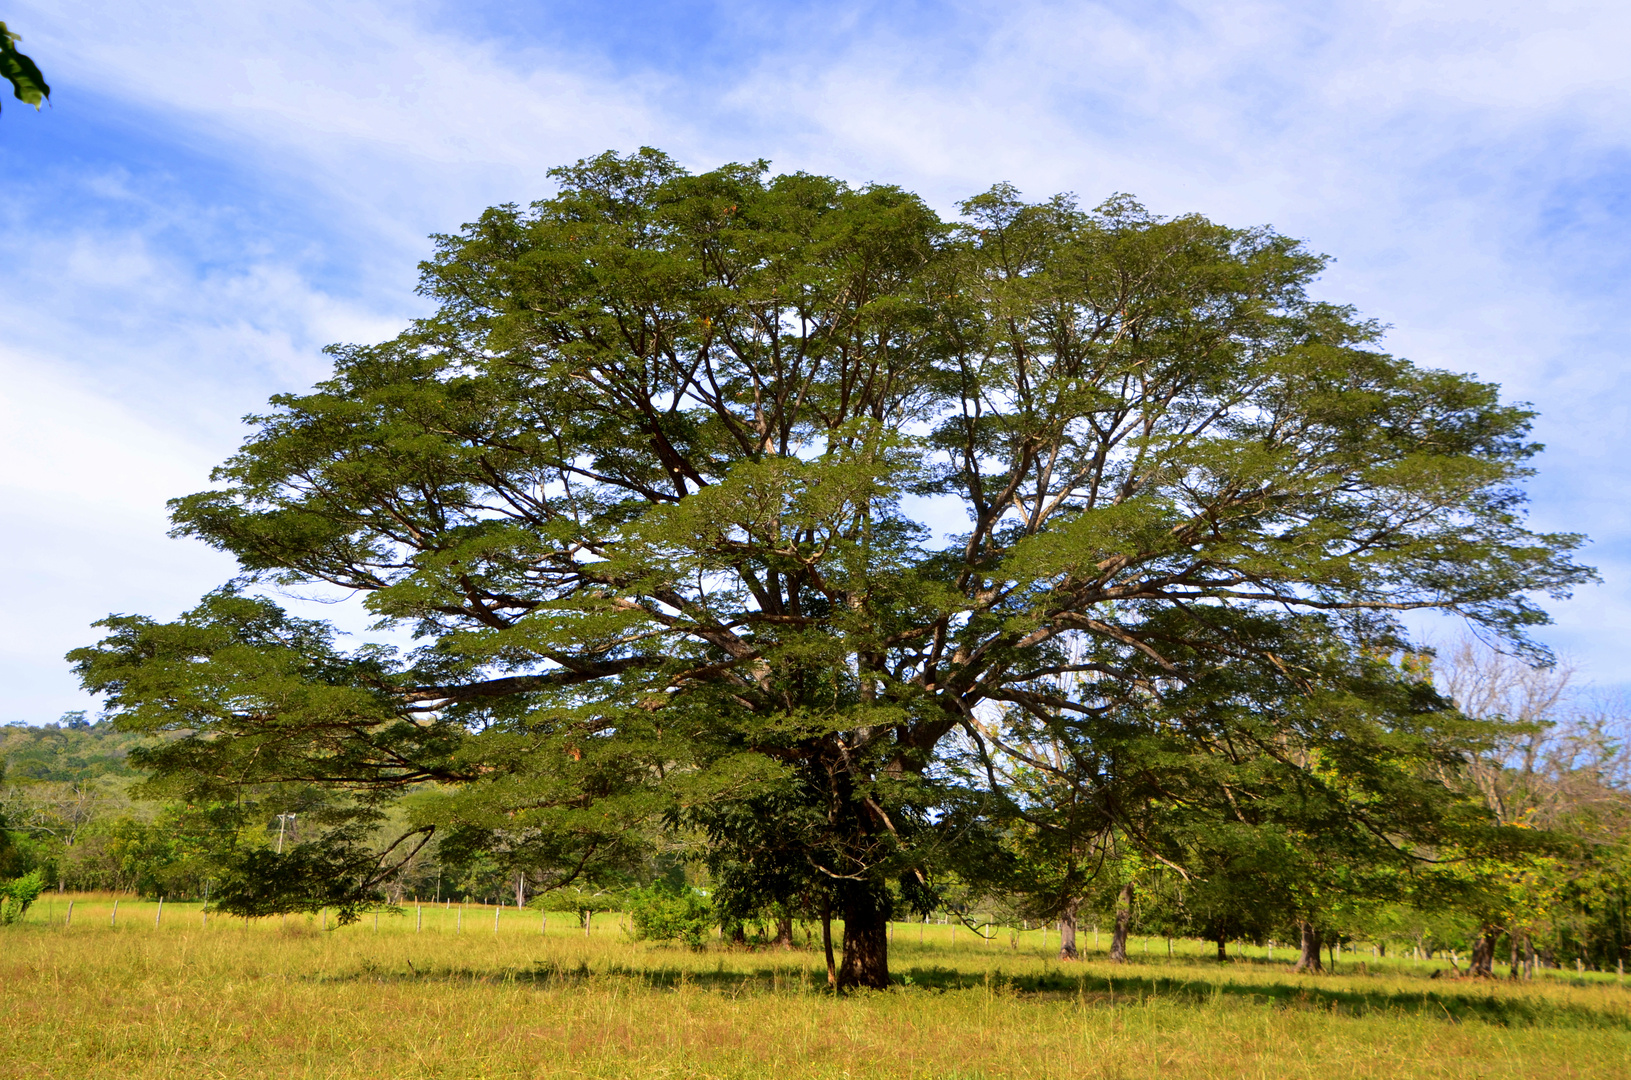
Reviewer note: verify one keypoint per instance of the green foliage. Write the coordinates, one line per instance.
(27, 84)
(1241, 803)
(640, 486)
(307, 877)
(670, 911)
(18, 894)
(67, 750)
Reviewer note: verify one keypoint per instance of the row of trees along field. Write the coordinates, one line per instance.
(868, 563)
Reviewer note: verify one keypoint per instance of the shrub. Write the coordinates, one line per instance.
(665, 911)
(18, 894)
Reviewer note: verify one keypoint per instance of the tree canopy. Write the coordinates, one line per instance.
(747, 503)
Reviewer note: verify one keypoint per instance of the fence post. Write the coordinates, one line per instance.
(114, 921)
(419, 918)
(68, 919)
(160, 913)
(496, 909)
(543, 921)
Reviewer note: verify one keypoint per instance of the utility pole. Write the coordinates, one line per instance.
(282, 820)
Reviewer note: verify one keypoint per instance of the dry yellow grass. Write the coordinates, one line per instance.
(288, 1000)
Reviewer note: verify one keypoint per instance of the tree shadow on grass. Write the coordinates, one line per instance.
(1303, 994)
(552, 974)
(1089, 988)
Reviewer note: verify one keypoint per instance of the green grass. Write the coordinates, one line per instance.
(282, 998)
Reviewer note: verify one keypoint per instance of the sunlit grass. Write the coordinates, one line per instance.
(439, 993)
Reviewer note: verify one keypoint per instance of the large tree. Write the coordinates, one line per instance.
(662, 488)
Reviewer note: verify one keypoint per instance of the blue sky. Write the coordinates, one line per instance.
(217, 191)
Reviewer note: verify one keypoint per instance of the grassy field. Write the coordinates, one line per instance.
(446, 995)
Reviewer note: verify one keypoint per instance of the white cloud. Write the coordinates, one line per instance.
(123, 372)
(82, 511)
(403, 128)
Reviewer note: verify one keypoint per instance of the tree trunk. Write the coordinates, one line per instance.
(1483, 953)
(1309, 959)
(866, 938)
(1515, 964)
(1223, 952)
(1067, 931)
(826, 940)
(1124, 922)
(784, 931)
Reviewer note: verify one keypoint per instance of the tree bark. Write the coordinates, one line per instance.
(784, 931)
(1223, 952)
(1483, 953)
(1515, 964)
(866, 938)
(826, 940)
(1067, 931)
(1308, 960)
(1124, 922)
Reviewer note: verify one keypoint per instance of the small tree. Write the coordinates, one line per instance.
(18, 895)
(584, 903)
